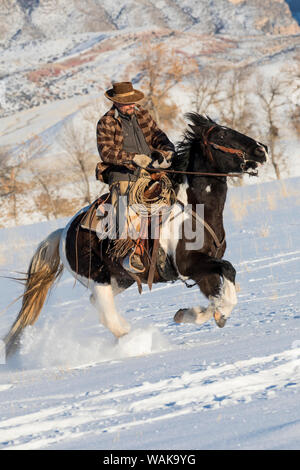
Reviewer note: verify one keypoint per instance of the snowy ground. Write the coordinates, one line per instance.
(165, 386)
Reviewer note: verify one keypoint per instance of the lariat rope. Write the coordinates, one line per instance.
(145, 205)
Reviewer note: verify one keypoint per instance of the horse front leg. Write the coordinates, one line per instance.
(216, 279)
(102, 298)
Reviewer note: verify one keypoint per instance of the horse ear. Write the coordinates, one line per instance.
(265, 147)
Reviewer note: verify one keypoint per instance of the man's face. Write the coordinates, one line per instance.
(126, 108)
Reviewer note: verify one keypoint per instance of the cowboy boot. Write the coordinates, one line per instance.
(133, 262)
(136, 262)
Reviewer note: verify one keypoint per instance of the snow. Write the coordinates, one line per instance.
(164, 386)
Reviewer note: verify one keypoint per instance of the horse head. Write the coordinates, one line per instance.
(213, 147)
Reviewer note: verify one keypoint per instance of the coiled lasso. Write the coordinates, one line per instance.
(145, 205)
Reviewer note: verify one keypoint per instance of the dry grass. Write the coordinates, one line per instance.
(238, 208)
(284, 192)
(3, 259)
(272, 201)
(264, 231)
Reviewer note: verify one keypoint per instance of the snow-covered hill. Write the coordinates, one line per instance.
(57, 49)
(36, 19)
(58, 56)
(164, 386)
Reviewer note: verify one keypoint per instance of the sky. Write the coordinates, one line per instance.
(295, 8)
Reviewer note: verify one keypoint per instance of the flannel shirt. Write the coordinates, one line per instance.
(110, 139)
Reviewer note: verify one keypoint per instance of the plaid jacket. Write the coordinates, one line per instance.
(110, 139)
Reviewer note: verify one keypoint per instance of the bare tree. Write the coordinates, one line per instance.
(292, 83)
(25, 180)
(272, 100)
(236, 108)
(45, 199)
(206, 89)
(161, 69)
(10, 186)
(295, 118)
(77, 144)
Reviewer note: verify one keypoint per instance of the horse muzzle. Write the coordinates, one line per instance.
(258, 157)
(260, 154)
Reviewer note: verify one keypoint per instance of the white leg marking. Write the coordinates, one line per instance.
(115, 287)
(197, 315)
(171, 231)
(220, 308)
(103, 299)
(226, 300)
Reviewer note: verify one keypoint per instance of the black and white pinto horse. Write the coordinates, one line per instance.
(207, 153)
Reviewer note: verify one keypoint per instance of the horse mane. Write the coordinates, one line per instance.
(199, 120)
(198, 123)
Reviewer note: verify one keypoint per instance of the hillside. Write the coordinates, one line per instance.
(53, 50)
(51, 19)
(57, 58)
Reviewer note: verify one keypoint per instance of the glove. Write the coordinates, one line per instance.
(161, 160)
(142, 160)
(168, 154)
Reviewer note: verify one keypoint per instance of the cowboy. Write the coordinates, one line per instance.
(128, 139)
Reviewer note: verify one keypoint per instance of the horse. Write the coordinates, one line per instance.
(205, 157)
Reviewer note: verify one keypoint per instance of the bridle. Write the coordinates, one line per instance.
(226, 150)
(207, 145)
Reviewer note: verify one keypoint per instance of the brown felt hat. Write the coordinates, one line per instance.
(124, 93)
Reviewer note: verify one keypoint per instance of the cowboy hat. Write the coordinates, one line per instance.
(123, 93)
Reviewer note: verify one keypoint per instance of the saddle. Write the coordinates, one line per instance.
(95, 213)
(149, 250)
(96, 210)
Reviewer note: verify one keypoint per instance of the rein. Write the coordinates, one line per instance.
(196, 173)
(208, 144)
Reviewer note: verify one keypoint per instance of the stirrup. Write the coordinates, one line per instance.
(128, 264)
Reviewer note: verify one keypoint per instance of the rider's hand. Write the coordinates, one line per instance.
(168, 154)
(161, 159)
(142, 160)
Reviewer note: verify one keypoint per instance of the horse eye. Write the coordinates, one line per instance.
(221, 135)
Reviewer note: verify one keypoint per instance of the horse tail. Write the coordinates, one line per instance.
(45, 267)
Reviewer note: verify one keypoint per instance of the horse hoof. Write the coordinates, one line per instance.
(179, 316)
(220, 319)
